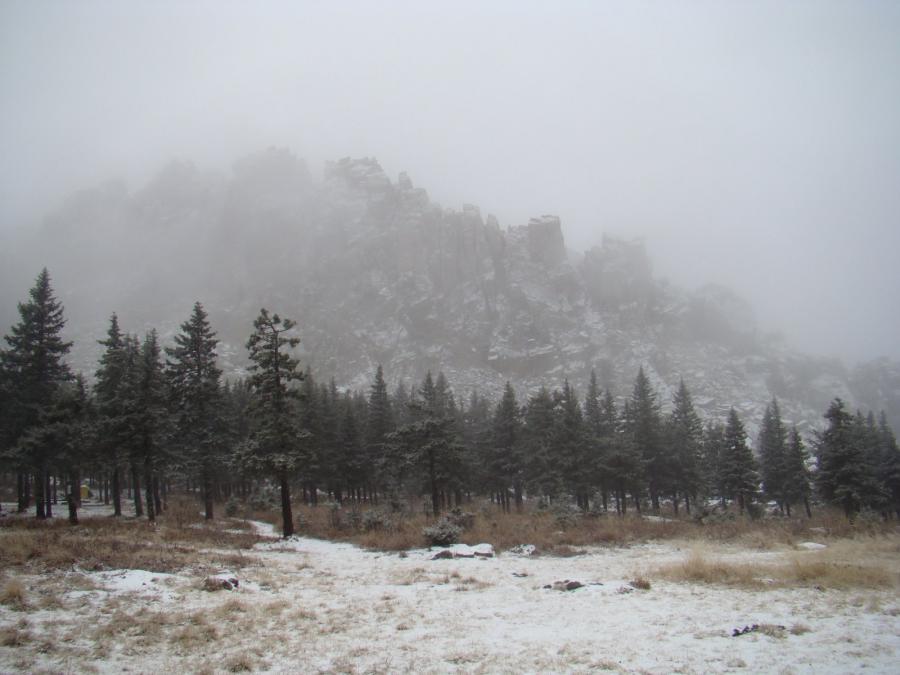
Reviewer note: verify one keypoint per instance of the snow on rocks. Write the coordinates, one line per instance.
(220, 582)
(811, 546)
(465, 551)
(523, 550)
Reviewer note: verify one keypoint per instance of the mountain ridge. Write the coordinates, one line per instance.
(375, 272)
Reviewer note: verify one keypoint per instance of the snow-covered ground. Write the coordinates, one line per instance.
(315, 606)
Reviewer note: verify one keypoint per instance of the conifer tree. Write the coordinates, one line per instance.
(543, 472)
(739, 477)
(146, 400)
(195, 383)
(795, 478)
(274, 444)
(712, 451)
(684, 433)
(889, 464)
(504, 457)
(772, 442)
(108, 391)
(643, 425)
(571, 446)
(379, 423)
(33, 369)
(844, 477)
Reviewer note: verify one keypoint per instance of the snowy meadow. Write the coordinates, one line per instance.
(647, 595)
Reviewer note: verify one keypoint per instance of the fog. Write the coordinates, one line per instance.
(752, 144)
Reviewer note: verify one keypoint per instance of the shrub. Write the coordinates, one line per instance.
(461, 518)
(443, 533)
(232, 507)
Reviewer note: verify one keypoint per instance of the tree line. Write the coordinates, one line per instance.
(163, 418)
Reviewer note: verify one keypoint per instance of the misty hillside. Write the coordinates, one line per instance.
(375, 272)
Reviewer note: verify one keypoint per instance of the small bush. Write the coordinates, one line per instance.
(232, 507)
(461, 518)
(13, 595)
(444, 533)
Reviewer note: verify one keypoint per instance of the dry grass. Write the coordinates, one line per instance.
(853, 565)
(108, 543)
(553, 534)
(13, 595)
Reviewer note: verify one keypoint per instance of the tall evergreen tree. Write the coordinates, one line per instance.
(684, 433)
(275, 441)
(795, 486)
(772, 453)
(33, 368)
(379, 423)
(889, 465)
(643, 425)
(504, 460)
(739, 476)
(111, 414)
(195, 384)
(844, 477)
(712, 462)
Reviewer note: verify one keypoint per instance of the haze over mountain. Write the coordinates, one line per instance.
(755, 145)
(376, 272)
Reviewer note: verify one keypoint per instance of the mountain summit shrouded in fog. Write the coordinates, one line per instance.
(754, 145)
(376, 272)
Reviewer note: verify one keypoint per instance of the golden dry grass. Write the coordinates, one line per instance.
(13, 595)
(861, 563)
(552, 534)
(112, 543)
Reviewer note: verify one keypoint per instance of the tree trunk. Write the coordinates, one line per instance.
(675, 502)
(788, 507)
(208, 492)
(520, 497)
(157, 502)
(48, 494)
(22, 486)
(74, 496)
(287, 517)
(116, 493)
(148, 487)
(806, 504)
(136, 492)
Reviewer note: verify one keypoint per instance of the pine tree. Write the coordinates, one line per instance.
(643, 425)
(795, 485)
(33, 369)
(275, 441)
(844, 476)
(889, 464)
(194, 381)
(543, 472)
(772, 449)
(571, 446)
(108, 390)
(379, 423)
(684, 433)
(504, 457)
(146, 400)
(712, 454)
(739, 477)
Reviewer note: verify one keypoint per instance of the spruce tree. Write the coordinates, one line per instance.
(712, 462)
(504, 461)
(772, 451)
(684, 433)
(739, 477)
(643, 425)
(33, 369)
(275, 440)
(844, 475)
(379, 423)
(795, 486)
(889, 468)
(194, 381)
(543, 473)
(111, 415)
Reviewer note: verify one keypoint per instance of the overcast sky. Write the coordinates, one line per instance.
(751, 144)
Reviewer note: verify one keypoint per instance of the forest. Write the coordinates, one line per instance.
(154, 420)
